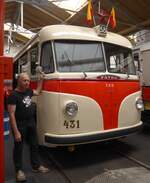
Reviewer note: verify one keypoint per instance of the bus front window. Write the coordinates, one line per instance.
(79, 56)
(119, 59)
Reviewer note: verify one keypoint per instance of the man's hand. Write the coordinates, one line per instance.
(40, 73)
(17, 135)
(41, 76)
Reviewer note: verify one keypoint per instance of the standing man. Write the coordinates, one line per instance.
(22, 118)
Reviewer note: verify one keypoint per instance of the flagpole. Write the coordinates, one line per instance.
(94, 21)
(108, 21)
(99, 7)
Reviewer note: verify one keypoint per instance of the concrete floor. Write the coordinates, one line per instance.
(93, 163)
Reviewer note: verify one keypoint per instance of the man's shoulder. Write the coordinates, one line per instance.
(12, 97)
(13, 93)
(16, 93)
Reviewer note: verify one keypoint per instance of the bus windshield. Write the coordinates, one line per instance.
(79, 56)
(87, 56)
(119, 59)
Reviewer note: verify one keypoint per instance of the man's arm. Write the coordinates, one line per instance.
(11, 110)
(39, 85)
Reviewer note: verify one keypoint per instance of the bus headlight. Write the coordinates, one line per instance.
(139, 104)
(71, 108)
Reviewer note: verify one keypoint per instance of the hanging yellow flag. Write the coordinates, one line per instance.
(112, 20)
(89, 16)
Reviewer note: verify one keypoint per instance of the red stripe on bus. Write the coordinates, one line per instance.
(146, 93)
(108, 94)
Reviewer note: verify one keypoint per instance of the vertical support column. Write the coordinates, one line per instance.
(1, 91)
(21, 5)
(1, 27)
(1, 120)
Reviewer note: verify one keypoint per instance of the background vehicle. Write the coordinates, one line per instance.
(91, 91)
(142, 55)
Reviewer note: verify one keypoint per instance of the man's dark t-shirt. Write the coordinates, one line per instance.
(24, 108)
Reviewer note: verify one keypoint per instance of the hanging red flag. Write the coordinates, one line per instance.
(89, 16)
(112, 18)
(102, 15)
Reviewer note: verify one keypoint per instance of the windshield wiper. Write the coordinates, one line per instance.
(85, 75)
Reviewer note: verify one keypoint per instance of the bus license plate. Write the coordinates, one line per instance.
(71, 124)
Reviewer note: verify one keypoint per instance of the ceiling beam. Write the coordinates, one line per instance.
(78, 11)
(40, 9)
(48, 13)
(125, 11)
(135, 27)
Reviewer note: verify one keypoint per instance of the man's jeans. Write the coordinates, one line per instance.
(28, 132)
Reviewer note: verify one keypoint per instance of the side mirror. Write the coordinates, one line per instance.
(39, 69)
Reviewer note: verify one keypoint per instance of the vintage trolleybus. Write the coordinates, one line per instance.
(90, 92)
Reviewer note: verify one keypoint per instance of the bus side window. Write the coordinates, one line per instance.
(33, 57)
(23, 65)
(47, 61)
(137, 61)
(114, 63)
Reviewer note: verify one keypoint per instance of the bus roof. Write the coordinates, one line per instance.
(60, 32)
(54, 32)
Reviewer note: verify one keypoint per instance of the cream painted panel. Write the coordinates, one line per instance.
(89, 114)
(47, 114)
(51, 115)
(89, 75)
(128, 113)
(146, 67)
(54, 32)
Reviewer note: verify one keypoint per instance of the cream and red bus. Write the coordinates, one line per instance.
(90, 92)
